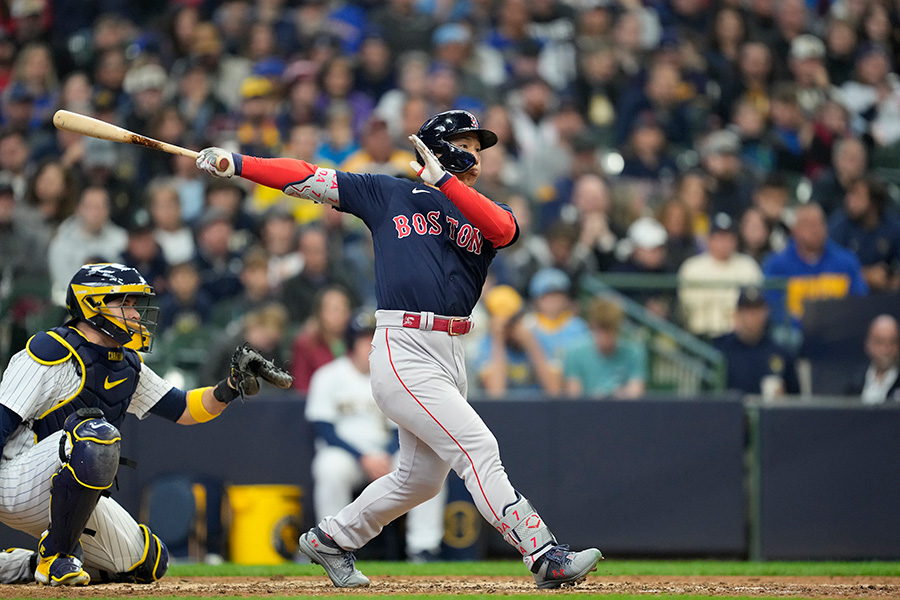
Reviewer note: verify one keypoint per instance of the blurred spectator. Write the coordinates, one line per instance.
(205, 47)
(50, 197)
(173, 236)
(646, 153)
(681, 243)
(217, 264)
(530, 252)
(255, 290)
(227, 197)
(792, 132)
(531, 115)
(873, 96)
(143, 252)
(322, 337)
(374, 73)
(590, 210)
(604, 364)
(771, 198)
(412, 82)
(36, 72)
(565, 252)
(378, 154)
(319, 270)
(660, 96)
(756, 364)
(404, 26)
(728, 32)
(554, 320)
(879, 381)
(690, 188)
(186, 306)
(807, 65)
(256, 129)
(869, 227)
(88, 233)
(356, 443)
(23, 251)
(278, 233)
(751, 83)
(831, 123)
(263, 327)
(752, 129)
(729, 184)
(336, 88)
(14, 160)
(479, 66)
(101, 164)
(510, 358)
(792, 19)
(814, 267)
(202, 111)
(598, 87)
(144, 84)
(849, 163)
(709, 283)
(754, 235)
(645, 253)
(841, 40)
(339, 141)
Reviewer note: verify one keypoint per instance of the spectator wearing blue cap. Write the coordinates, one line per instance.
(555, 321)
(480, 67)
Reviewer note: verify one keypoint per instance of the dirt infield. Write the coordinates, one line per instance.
(807, 587)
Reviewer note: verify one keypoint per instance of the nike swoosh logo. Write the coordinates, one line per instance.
(111, 384)
(419, 191)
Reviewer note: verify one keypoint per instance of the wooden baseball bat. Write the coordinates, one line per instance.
(85, 125)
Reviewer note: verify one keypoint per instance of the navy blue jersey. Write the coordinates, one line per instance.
(428, 256)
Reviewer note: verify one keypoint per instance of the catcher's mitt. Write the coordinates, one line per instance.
(248, 366)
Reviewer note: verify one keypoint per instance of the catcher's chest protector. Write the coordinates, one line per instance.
(109, 376)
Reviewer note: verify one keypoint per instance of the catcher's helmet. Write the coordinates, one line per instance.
(94, 286)
(437, 129)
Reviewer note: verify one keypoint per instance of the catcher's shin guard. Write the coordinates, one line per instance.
(150, 567)
(525, 530)
(90, 455)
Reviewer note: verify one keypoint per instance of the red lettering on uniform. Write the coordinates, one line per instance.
(534, 542)
(476, 242)
(516, 515)
(419, 223)
(402, 225)
(504, 528)
(463, 237)
(435, 228)
(453, 225)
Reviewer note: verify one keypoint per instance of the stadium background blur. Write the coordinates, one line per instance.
(635, 137)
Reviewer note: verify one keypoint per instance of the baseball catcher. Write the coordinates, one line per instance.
(62, 400)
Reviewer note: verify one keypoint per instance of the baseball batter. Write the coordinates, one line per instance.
(61, 402)
(434, 242)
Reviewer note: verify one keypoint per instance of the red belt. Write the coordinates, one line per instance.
(453, 325)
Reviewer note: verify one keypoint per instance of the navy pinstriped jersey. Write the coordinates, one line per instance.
(428, 256)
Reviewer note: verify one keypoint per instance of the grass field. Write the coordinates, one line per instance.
(687, 568)
(614, 579)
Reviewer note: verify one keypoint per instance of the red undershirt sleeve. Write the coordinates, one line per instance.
(496, 224)
(273, 172)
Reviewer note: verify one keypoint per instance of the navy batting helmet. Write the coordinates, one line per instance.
(92, 289)
(437, 129)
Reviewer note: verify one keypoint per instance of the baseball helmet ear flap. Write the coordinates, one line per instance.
(437, 130)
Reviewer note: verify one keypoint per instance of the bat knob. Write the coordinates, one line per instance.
(222, 164)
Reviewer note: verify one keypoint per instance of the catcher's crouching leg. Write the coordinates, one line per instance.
(151, 566)
(89, 451)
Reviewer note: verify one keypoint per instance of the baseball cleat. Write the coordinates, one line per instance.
(337, 562)
(61, 569)
(559, 567)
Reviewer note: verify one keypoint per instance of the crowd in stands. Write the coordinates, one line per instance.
(721, 143)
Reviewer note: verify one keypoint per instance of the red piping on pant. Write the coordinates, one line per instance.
(471, 462)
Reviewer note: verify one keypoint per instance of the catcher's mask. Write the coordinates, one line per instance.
(437, 129)
(101, 293)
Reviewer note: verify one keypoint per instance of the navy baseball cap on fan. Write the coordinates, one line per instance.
(751, 297)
